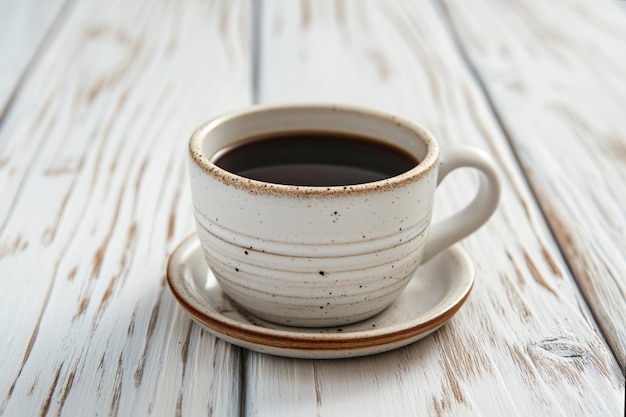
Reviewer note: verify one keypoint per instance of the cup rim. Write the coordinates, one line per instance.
(425, 166)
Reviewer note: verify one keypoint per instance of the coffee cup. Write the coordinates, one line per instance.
(339, 227)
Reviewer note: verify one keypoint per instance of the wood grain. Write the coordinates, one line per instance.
(25, 27)
(103, 96)
(562, 90)
(525, 343)
(94, 197)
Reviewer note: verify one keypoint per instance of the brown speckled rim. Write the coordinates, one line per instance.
(203, 161)
(311, 342)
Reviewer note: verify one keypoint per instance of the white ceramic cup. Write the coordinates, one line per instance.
(326, 256)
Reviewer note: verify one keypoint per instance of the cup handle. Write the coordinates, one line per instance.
(478, 211)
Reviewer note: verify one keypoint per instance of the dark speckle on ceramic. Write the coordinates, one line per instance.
(354, 231)
(428, 302)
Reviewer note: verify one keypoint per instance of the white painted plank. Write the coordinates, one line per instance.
(24, 26)
(562, 88)
(525, 343)
(93, 199)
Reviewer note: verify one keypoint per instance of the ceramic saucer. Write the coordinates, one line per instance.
(439, 289)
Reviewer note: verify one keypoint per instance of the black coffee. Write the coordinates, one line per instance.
(320, 159)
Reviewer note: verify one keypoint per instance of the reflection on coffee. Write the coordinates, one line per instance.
(319, 159)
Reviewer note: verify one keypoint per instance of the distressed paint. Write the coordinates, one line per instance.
(94, 198)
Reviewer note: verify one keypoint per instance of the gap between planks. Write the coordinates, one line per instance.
(256, 50)
(478, 78)
(48, 38)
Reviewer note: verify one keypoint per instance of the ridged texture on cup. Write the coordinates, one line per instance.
(310, 284)
(312, 256)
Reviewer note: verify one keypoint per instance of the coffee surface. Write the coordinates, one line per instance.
(319, 159)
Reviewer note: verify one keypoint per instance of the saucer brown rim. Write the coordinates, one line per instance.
(283, 339)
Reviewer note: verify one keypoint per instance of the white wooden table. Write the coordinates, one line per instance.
(98, 99)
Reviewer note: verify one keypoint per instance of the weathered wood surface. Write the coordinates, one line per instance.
(93, 199)
(525, 344)
(558, 72)
(24, 28)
